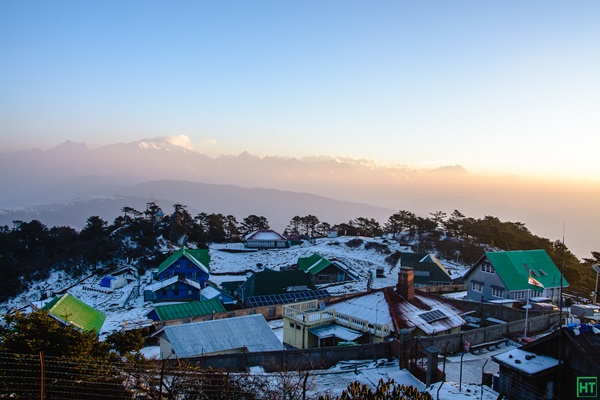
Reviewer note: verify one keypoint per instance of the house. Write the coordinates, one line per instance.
(175, 288)
(332, 233)
(575, 348)
(245, 334)
(427, 269)
(526, 376)
(513, 275)
(373, 316)
(213, 293)
(186, 310)
(266, 239)
(321, 270)
(190, 263)
(270, 287)
(69, 310)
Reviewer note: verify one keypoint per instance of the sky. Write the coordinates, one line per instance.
(495, 86)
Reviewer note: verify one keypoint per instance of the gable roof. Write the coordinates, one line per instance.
(425, 262)
(249, 332)
(313, 264)
(190, 309)
(198, 257)
(513, 268)
(264, 234)
(175, 278)
(275, 282)
(72, 311)
(429, 313)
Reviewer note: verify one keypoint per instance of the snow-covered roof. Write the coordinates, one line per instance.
(430, 314)
(371, 307)
(172, 280)
(266, 234)
(338, 331)
(249, 332)
(525, 361)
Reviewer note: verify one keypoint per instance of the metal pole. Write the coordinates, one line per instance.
(526, 314)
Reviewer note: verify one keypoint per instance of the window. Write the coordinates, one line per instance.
(177, 266)
(497, 292)
(476, 286)
(488, 268)
(189, 292)
(520, 295)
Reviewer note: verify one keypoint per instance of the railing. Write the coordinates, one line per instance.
(308, 313)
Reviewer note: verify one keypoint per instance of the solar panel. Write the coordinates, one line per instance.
(432, 316)
(286, 298)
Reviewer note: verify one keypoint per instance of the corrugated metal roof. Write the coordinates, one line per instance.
(313, 264)
(73, 311)
(199, 257)
(513, 266)
(212, 337)
(190, 309)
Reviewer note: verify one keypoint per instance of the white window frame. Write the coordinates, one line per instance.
(476, 287)
(497, 292)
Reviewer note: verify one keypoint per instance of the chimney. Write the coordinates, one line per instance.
(406, 283)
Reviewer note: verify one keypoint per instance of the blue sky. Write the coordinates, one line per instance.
(495, 86)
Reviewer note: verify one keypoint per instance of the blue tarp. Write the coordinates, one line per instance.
(105, 282)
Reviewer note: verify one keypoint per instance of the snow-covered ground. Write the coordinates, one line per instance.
(126, 306)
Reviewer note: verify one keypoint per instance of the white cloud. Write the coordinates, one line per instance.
(181, 140)
(210, 142)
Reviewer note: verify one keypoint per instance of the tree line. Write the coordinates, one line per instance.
(30, 250)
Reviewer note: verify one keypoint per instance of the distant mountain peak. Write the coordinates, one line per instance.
(70, 145)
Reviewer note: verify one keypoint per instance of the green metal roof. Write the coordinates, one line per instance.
(275, 282)
(73, 311)
(199, 257)
(513, 268)
(313, 264)
(191, 309)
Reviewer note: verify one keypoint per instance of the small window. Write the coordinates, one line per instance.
(177, 266)
(189, 292)
(476, 286)
(497, 292)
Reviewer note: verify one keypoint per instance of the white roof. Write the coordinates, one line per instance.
(338, 331)
(264, 235)
(172, 280)
(412, 315)
(249, 332)
(210, 293)
(371, 307)
(524, 361)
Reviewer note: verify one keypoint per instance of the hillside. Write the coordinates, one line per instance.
(126, 305)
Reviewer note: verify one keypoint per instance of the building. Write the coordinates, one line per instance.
(69, 310)
(370, 317)
(427, 269)
(186, 310)
(245, 334)
(322, 271)
(268, 287)
(266, 239)
(175, 288)
(514, 275)
(212, 293)
(190, 263)
(568, 366)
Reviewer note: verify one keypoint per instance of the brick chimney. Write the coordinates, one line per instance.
(406, 283)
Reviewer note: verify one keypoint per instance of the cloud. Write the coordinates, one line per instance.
(209, 142)
(181, 140)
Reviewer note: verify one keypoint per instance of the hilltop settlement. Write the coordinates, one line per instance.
(276, 302)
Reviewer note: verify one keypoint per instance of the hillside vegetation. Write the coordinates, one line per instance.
(29, 251)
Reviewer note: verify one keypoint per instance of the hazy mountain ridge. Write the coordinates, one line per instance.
(73, 170)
